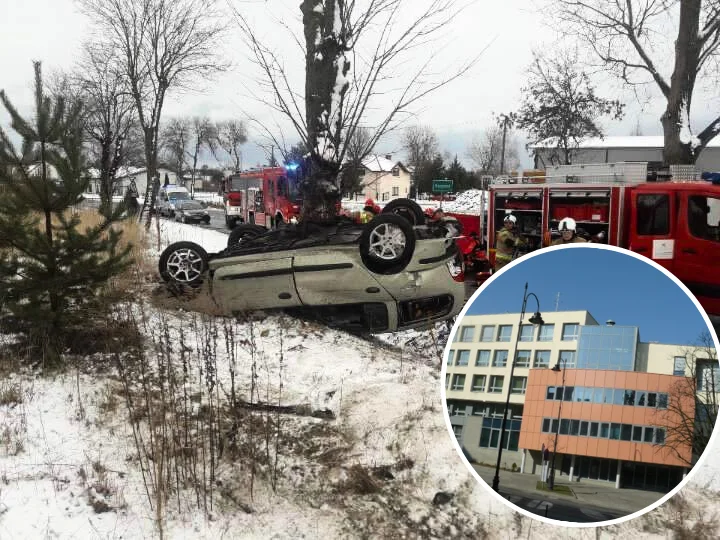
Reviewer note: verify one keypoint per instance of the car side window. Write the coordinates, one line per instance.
(704, 217)
(653, 214)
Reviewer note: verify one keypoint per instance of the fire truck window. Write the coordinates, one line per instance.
(282, 186)
(704, 217)
(653, 215)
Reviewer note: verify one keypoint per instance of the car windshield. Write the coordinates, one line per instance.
(189, 204)
(178, 196)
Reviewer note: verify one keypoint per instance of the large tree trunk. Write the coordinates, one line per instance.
(325, 63)
(680, 147)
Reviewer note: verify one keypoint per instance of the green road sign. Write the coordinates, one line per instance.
(442, 186)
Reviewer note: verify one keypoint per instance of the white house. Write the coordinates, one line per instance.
(125, 176)
(630, 148)
(384, 179)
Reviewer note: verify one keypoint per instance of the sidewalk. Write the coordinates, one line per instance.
(590, 492)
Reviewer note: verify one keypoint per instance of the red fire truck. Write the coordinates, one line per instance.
(675, 223)
(265, 196)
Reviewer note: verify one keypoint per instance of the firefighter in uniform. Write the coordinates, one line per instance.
(506, 242)
(370, 211)
(568, 230)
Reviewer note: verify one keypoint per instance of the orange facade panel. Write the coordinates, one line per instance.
(537, 408)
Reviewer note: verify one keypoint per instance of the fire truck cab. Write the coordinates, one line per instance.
(266, 196)
(675, 223)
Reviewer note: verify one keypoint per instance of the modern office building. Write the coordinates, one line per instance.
(611, 416)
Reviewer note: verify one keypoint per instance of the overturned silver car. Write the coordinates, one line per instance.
(395, 272)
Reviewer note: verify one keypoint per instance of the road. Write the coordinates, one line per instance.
(570, 510)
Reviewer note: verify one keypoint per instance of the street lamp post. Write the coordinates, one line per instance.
(551, 478)
(535, 319)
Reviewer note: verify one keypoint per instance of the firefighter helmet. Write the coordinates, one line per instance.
(511, 218)
(567, 224)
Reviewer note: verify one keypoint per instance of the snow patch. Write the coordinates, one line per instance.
(686, 136)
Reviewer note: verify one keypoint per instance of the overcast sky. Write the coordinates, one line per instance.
(52, 31)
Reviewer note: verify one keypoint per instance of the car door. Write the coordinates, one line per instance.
(335, 275)
(653, 225)
(697, 256)
(254, 282)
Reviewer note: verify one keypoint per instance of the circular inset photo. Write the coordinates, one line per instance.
(581, 385)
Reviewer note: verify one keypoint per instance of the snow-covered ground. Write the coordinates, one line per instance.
(69, 466)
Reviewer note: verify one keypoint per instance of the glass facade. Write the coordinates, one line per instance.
(607, 347)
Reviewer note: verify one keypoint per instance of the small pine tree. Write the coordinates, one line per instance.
(51, 272)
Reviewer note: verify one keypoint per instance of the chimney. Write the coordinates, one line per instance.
(388, 157)
(610, 322)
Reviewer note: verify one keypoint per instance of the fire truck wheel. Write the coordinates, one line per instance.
(407, 208)
(387, 244)
(230, 222)
(183, 263)
(243, 231)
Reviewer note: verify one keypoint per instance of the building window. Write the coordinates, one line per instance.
(487, 333)
(626, 432)
(458, 382)
(526, 332)
(463, 358)
(542, 359)
(594, 429)
(567, 359)
(519, 385)
(395, 191)
(545, 425)
(496, 384)
(570, 332)
(662, 401)
(708, 375)
(500, 359)
(482, 359)
(604, 430)
(679, 366)
(550, 393)
(522, 359)
(451, 356)
(546, 332)
(478, 383)
(396, 171)
(467, 333)
(637, 434)
(490, 433)
(457, 431)
(629, 398)
(653, 215)
(386, 196)
(583, 428)
(504, 332)
(659, 436)
(640, 398)
(447, 379)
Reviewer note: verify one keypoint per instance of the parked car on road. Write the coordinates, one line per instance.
(392, 273)
(191, 211)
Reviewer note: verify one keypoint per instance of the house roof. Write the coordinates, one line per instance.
(381, 164)
(122, 172)
(639, 141)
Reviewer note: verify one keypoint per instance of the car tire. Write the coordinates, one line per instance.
(406, 208)
(244, 231)
(387, 244)
(206, 220)
(184, 219)
(183, 263)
